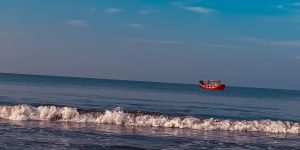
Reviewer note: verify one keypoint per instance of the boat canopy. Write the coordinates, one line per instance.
(209, 81)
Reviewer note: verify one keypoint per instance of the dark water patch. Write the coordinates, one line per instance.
(4, 97)
(261, 108)
(125, 147)
(58, 81)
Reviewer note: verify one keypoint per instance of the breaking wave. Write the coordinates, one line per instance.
(119, 117)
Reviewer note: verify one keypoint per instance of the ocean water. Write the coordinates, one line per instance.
(46, 112)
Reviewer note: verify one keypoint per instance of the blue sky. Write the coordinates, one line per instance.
(244, 43)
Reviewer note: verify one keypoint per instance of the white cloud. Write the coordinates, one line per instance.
(135, 25)
(113, 10)
(199, 9)
(13, 33)
(266, 64)
(298, 57)
(296, 4)
(288, 7)
(287, 43)
(282, 43)
(92, 9)
(177, 4)
(77, 23)
(221, 46)
(149, 41)
(184, 43)
(279, 6)
(145, 11)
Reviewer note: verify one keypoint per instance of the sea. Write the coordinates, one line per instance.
(53, 112)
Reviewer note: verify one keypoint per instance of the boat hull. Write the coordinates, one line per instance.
(213, 87)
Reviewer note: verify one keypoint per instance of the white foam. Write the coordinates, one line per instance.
(117, 116)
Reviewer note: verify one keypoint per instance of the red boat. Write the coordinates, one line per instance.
(211, 84)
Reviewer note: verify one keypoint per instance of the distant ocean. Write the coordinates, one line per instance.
(48, 112)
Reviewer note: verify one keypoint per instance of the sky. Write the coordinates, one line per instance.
(243, 43)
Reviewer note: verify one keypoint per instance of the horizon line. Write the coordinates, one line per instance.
(145, 81)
